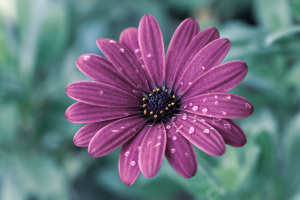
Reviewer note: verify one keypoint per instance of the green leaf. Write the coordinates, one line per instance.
(277, 35)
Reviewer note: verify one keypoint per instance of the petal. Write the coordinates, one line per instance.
(129, 37)
(101, 70)
(85, 113)
(219, 79)
(198, 42)
(114, 135)
(219, 105)
(84, 135)
(125, 62)
(153, 150)
(128, 159)
(231, 132)
(101, 94)
(183, 35)
(152, 48)
(180, 153)
(210, 56)
(201, 134)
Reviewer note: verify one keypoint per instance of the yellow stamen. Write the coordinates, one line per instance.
(167, 108)
(161, 112)
(151, 113)
(144, 99)
(144, 105)
(150, 95)
(174, 96)
(173, 103)
(166, 90)
(158, 90)
(145, 112)
(155, 116)
(154, 90)
(169, 105)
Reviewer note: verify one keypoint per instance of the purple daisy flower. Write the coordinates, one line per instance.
(155, 106)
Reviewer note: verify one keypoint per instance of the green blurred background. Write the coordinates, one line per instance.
(40, 41)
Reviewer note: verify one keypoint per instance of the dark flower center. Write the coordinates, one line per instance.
(159, 105)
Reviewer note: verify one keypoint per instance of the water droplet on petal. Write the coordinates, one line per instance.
(224, 113)
(216, 96)
(134, 130)
(126, 114)
(115, 131)
(190, 83)
(203, 100)
(127, 153)
(173, 150)
(159, 126)
(112, 41)
(195, 108)
(227, 126)
(157, 144)
(159, 137)
(190, 104)
(186, 154)
(137, 50)
(141, 57)
(192, 130)
(86, 57)
(122, 127)
(195, 120)
(132, 163)
(248, 105)
(217, 120)
(149, 143)
(174, 118)
(101, 92)
(143, 66)
(174, 138)
(121, 50)
(204, 110)
(180, 127)
(203, 67)
(139, 148)
(185, 107)
(203, 120)
(184, 117)
(149, 55)
(136, 71)
(206, 131)
(228, 97)
(181, 83)
(216, 102)
(168, 127)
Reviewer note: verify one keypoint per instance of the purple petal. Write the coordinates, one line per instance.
(152, 48)
(101, 70)
(180, 153)
(183, 35)
(200, 134)
(219, 79)
(129, 37)
(198, 42)
(114, 135)
(125, 62)
(153, 150)
(210, 56)
(231, 132)
(85, 113)
(84, 135)
(219, 105)
(101, 94)
(128, 160)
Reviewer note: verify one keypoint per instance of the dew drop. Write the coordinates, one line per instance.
(159, 137)
(135, 91)
(174, 138)
(192, 130)
(217, 120)
(141, 57)
(121, 50)
(132, 163)
(149, 143)
(203, 67)
(227, 126)
(190, 104)
(149, 55)
(216, 102)
(101, 92)
(203, 100)
(195, 120)
(174, 118)
(216, 96)
(195, 108)
(112, 41)
(203, 120)
(157, 144)
(134, 130)
(184, 117)
(127, 153)
(126, 114)
(122, 127)
(86, 57)
(159, 126)
(204, 110)
(139, 148)
(115, 131)
(168, 134)
(173, 150)
(180, 127)
(190, 83)
(136, 71)
(206, 131)
(185, 107)
(143, 66)
(168, 127)
(224, 113)
(181, 83)
(137, 50)
(228, 97)
(248, 105)
(186, 154)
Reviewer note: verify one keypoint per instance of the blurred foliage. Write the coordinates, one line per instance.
(40, 41)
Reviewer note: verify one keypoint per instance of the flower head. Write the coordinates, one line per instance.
(155, 106)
